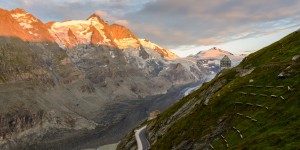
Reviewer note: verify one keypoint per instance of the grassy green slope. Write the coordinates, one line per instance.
(275, 122)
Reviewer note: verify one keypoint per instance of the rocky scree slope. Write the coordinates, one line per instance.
(64, 75)
(252, 106)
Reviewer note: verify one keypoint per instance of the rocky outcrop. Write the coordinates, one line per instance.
(96, 36)
(16, 122)
(72, 38)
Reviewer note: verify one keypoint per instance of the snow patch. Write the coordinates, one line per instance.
(26, 25)
(126, 42)
(70, 23)
(24, 20)
(16, 16)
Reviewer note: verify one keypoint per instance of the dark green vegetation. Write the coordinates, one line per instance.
(253, 102)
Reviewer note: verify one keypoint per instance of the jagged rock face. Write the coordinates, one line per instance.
(106, 29)
(177, 73)
(72, 38)
(124, 37)
(18, 23)
(37, 77)
(96, 36)
(16, 122)
(83, 30)
(37, 30)
(10, 26)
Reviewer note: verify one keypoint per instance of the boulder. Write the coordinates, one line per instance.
(283, 75)
(251, 80)
(296, 57)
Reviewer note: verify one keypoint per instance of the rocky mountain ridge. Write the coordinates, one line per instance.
(98, 32)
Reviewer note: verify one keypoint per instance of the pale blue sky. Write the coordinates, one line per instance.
(183, 26)
(241, 46)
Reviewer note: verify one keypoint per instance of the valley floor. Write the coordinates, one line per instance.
(122, 118)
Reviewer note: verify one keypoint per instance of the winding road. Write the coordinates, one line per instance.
(141, 138)
(140, 134)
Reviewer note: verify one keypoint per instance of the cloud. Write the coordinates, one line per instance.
(122, 22)
(107, 17)
(58, 10)
(210, 41)
(212, 22)
(101, 13)
(173, 23)
(26, 2)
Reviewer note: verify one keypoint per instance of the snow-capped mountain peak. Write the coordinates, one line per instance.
(213, 53)
(84, 31)
(95, 20)
(35, 29)
(94, 17)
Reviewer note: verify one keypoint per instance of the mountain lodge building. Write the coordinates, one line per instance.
(225, 62)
